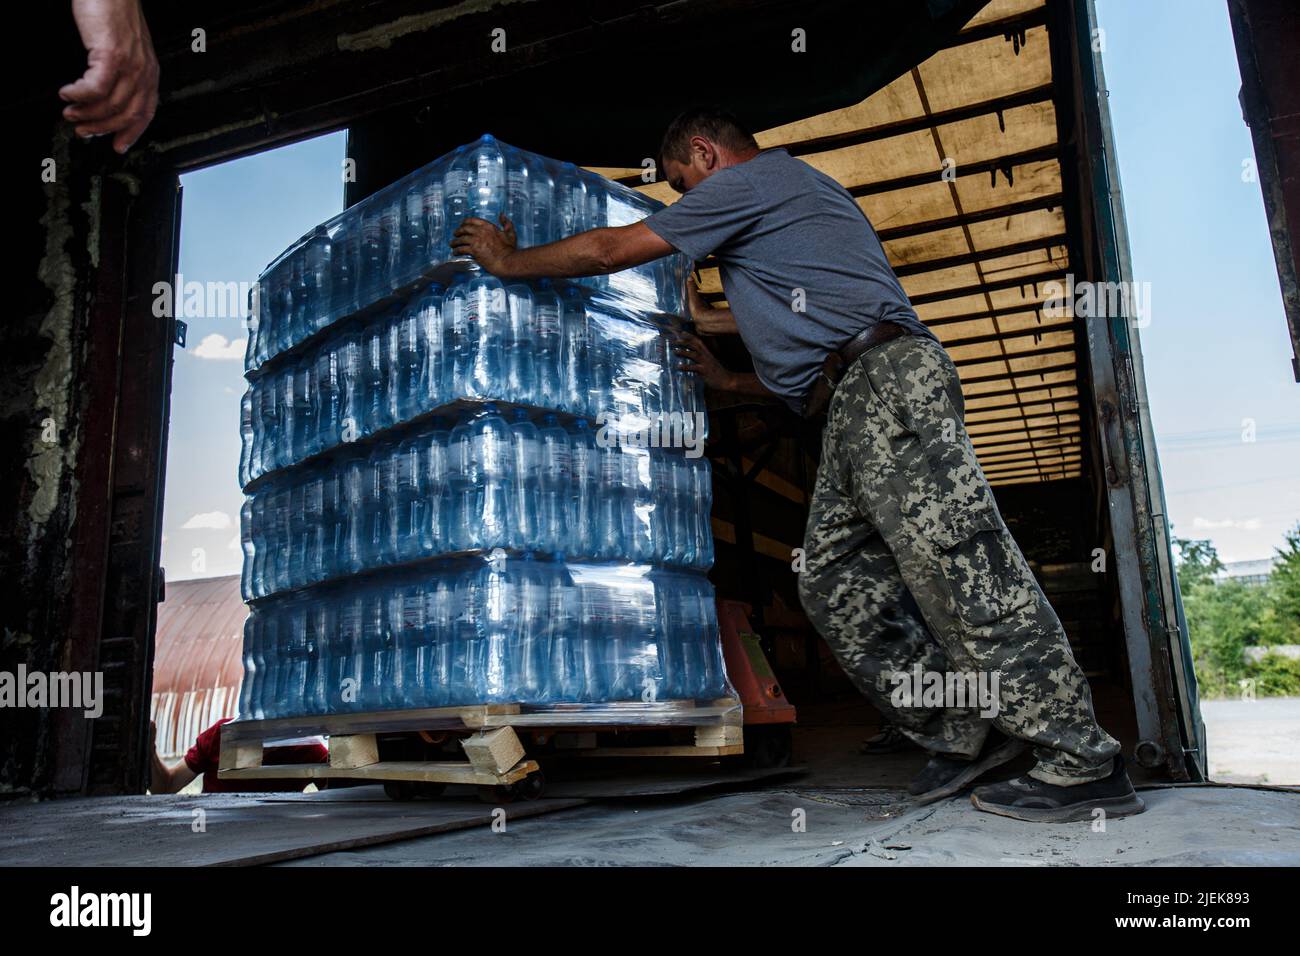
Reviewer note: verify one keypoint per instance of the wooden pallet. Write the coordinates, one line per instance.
(495, 754)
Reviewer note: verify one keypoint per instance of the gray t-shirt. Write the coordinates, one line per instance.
(787, 236)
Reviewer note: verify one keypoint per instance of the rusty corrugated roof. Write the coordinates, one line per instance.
(197, 667)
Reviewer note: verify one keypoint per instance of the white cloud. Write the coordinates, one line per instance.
(1207, 524)
(207, 521)
(218, 347)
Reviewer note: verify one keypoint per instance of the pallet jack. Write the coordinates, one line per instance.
(768, 716)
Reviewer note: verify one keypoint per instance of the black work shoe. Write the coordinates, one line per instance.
(890, 740)
(1026, 798)
(944, 776)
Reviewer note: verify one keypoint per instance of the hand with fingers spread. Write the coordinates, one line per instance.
(119, 92)
(697, 358)
(490, 245)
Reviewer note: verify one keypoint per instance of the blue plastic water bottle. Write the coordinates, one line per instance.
(415, 237)
(374, 377)
(612, 511)
(575, 355)
(329, 398)
(435, 377)
(487, 179)
(556, 490)
(518, 195)
(485, 321)
(346, 653)
(526, 442)
(570, 202)
(247, 687)
(532, 651)
(541, 183)
(520, 347)
(408, 500)
(247, 547)
(440, 617)
(408, 348)
(494, 453)
(377, 492)
(246, 438)
(377, 649)
(584, 495)
(547, 348)
(352, 388)
(345, 262)
(410, 636)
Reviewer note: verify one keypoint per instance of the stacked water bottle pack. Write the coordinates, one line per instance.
(523, 343)
(398, 235)
(487, 483)
(490, 629)
(461, 490)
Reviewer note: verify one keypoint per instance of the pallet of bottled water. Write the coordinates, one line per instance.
(464, 491)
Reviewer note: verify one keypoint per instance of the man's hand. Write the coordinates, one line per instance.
(698, 359)
(707, 318)
(490, 246)
(119, 91)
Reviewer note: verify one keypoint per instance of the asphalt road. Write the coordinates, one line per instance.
(1253, 741)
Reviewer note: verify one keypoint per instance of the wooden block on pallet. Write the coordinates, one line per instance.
(354, 750)
(239, 755)
(720, 735)
(494, 751)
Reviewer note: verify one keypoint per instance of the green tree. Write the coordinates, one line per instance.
(1284, 592)
(1224, 617)
(1198, 562)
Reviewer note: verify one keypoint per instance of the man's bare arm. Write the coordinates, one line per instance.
(744, 383)
(709, 319)
(595, 252)
(164, 777)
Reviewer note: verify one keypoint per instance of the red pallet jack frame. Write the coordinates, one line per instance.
(768, 716)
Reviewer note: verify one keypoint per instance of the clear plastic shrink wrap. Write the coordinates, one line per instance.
(463, 490)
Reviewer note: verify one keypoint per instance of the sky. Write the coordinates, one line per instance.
(235, 218)
(1216, 353)
(1217, 358)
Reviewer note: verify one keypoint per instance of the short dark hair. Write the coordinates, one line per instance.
(713, 124)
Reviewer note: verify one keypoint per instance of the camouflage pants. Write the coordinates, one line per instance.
(909, 567)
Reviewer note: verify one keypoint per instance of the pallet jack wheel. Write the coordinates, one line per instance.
(404, 790)
(767, 746)
(530, 788)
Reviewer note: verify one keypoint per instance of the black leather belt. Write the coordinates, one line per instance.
(868, 339)
(823, 387)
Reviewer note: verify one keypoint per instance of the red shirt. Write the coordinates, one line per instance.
(204, 758)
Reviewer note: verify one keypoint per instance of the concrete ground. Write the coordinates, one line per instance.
(1253, 741)
(854, 811)
(1201, 826)
(838, 808)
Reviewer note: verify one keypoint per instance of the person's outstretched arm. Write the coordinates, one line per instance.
(591, 253)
